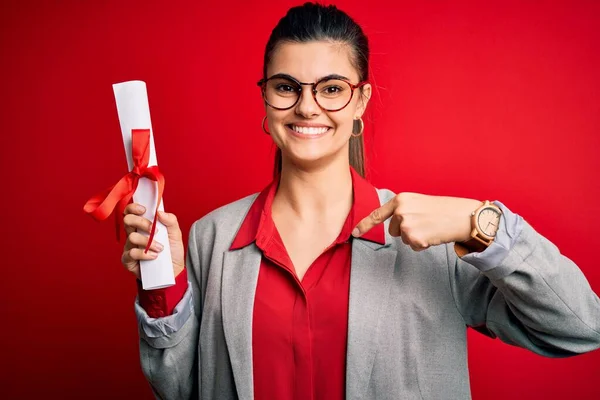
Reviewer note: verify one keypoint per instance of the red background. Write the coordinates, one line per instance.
(484, 101)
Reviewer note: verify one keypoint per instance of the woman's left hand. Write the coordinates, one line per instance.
(423, 220)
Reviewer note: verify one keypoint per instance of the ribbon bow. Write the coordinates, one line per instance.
(118, 196)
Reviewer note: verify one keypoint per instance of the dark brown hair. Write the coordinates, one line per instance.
(315, 22)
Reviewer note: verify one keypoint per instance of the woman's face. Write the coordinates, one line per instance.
(307, 135)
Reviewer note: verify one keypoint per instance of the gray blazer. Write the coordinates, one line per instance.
(408, 314)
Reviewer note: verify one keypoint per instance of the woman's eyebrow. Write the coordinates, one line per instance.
(333, 76)
(326, 77)
(284, 76)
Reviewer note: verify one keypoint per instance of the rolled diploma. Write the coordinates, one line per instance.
(134, 113)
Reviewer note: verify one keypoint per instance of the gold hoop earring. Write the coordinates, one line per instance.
(358, 127)
(263, 126)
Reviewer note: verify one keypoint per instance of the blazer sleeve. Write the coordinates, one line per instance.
(525, 292)
(169, 345)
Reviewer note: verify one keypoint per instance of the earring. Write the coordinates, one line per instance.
(358, 127)
(263, 126)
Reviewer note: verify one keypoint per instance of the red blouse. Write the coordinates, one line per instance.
(299, 328)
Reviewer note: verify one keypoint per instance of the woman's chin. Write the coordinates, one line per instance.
(310, 158)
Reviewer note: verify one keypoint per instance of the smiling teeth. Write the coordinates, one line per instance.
(309, 131)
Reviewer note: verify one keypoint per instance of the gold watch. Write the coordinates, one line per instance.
(484, 226)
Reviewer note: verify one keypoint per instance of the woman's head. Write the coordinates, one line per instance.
(315, 43)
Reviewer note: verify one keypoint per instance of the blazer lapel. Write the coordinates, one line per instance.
(240, 275)
(371, 272)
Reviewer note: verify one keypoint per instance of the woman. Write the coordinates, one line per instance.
(323, 287)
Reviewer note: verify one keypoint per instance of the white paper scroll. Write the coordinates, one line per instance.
(134, 113)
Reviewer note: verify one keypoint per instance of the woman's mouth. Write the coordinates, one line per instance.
(310, 132)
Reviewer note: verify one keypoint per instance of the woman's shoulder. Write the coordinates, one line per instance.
(226, 217)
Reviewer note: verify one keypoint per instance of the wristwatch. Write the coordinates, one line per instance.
(484, 225)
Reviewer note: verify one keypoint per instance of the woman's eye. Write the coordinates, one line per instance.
(285, 88)
(332, 90)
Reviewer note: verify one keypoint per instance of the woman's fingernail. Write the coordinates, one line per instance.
(159, 246)
(140, 209)
(153, 254)
(355, 232)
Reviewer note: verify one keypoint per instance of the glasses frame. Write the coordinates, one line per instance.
(263, 85)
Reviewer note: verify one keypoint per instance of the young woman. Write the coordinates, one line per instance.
(323, 287)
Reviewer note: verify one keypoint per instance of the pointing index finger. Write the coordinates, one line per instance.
(376, 217)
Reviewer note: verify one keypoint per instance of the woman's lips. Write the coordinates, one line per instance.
(308, 132)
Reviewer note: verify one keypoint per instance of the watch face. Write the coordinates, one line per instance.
(488, 221)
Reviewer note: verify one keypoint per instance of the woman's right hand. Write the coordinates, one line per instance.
(136, 241)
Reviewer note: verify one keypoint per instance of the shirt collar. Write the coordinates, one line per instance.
(258, 222)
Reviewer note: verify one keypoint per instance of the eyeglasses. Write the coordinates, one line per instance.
(332, 93)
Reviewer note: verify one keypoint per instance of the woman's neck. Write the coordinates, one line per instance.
(316, 194)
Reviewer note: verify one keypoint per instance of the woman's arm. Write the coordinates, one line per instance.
(169, 345)
(522, 290)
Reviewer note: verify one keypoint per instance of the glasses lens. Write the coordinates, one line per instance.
(281, 92)
(333, 94)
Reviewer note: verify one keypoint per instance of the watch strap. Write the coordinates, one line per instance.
(474, 244)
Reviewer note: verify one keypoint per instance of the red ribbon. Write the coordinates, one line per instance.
(118, 196)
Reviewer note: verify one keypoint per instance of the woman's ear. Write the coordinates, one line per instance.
(363, 99)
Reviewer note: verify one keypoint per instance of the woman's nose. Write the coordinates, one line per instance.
(307, 106)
